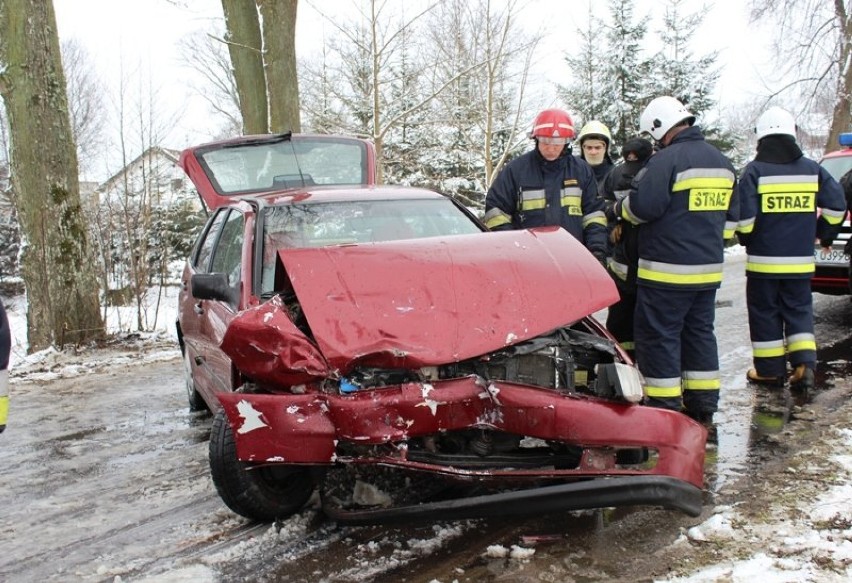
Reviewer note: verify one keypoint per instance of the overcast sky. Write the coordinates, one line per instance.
(142, 34)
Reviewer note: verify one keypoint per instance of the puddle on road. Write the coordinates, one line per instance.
(754, 422)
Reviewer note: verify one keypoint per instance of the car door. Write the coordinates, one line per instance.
(203, 321)
(215, 315)
(191, 313)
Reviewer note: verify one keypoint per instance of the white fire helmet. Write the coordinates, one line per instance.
(775, 120)
(661, 115)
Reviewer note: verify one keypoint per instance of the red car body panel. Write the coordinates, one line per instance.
(434, 301)
(278, 354)
(307, 428)
(420, 302)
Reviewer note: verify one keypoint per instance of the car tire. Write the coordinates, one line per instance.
(194, 398)
(265, 493)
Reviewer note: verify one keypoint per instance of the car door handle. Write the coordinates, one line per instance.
(197, 308)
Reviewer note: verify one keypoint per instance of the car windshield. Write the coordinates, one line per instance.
(280, 162)
(838, 166)
(348, 222)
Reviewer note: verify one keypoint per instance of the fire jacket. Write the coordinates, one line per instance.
(5, 353)
(534, 192)
(624, 254)
(685, 202)
(778, 221)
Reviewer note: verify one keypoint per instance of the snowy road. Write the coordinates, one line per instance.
(104, 477)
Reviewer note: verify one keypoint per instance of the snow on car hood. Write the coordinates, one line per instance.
(433, 301)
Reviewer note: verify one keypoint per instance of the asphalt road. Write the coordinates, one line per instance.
(104, 477)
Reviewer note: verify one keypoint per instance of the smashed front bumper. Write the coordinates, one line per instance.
(311, 429)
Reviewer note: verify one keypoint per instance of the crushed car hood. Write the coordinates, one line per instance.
(426, 302)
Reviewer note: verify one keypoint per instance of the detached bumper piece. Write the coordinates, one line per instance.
(662, 491)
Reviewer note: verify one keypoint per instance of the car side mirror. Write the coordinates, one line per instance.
(213, 286)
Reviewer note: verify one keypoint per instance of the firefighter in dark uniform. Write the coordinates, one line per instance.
(5, 352)
(846, 183)
(624, 237)
(780, 192)
(684, 202)
(549, 186)
(595, 141)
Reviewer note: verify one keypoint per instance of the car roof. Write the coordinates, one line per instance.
(838, 153)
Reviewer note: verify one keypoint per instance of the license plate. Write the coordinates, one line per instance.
(830, 257)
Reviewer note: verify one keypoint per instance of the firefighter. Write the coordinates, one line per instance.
(780, 192)
(549, 186)
(846, 183)
(624, 238)
(595, 141)
(684, 202)
(5, 352)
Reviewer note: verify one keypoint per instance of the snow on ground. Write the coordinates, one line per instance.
(805, 534)
(127, 346)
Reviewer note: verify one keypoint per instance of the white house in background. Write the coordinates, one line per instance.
(153, 177)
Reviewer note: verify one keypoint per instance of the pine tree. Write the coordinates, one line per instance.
(676, 71)
(626, 70)
(589, 93)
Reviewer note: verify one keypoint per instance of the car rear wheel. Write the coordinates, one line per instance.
(263, 493)
(196, 401)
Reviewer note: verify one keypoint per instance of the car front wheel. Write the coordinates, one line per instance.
(263, 493)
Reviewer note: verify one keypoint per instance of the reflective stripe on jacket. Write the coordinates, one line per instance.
(778, 219)
(685, 202)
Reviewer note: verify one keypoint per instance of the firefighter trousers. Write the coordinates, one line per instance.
(619, 320)
(676, 348)
(781, 324)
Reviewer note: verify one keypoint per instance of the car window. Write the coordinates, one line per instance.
(273, 164)
(228, 252)
(838, 166)
(335, 223)
(347, 222)
(205, 249)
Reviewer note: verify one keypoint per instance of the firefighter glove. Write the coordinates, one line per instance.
(615, 234)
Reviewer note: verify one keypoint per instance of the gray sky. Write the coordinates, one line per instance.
(141, 35)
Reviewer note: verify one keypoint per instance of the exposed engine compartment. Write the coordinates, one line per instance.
(567, 360)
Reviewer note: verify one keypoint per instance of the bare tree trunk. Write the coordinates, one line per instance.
(279, 36)
(245, 45)
(61, 284)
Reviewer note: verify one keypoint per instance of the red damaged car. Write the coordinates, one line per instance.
(377, 345)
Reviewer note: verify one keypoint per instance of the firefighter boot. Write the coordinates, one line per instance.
(706, 419)
(802, 379)
(753, 377)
